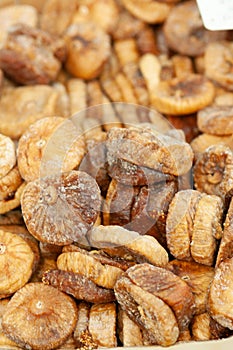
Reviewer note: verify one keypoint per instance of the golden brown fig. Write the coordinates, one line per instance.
(102, 324)
(14, 14)
(10, 183)
(8, 157)
(5, 342)
(150, 68)
(149, 11)
(88, 50)
(60, 209)
(198, 277)
(220, 294)
(200, 143)
(184, 95)
(150, 313)
(39, 317)
(129, 332)
(16, 262)
(78, 286)
(126, 51)
(201, 327)
(207, 229)
(216, 120)
(225, 250)
(13, 201)
(126, 89)
(32, 56)
(190, 235)
(134, 76)
(13, 217)
(56, 16)
(90, 266)
(184, 30)
(143, 147)
(22, 232)
(127, 25)
(77, 87)
(179, 224)
(35, 146)
(213, 171)
(104, 13)
(146, 41)
(218, 60)
(119, 242)
(167, 286)
(23, 105)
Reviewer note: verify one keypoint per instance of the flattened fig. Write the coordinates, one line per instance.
(78, 286)
(39, 316)
(90, 266)
(102, 324)
(198, 277)
(16, 263)
(151, 313)
(220, 295)
(167, 286)
(60, 209)
(213, 171)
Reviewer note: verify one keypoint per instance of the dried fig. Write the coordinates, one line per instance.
(148, 11)
(90, 266)
(129, 245)
(200, 143)
(151, 313)
(184, 30)
(56, 16)
(78, 286)
(31, 56)
(16, 260)
(102, 324)
(141, 146)
(190, 235)
(225, 250)
(198, 277)
(168, 287)
(41, 139)
(213, 171)
(39, 316)
(82, 40)
(60, 209)
(183, 95)
(220, 294)
(218, 63)
(8, 156)
(23, 105)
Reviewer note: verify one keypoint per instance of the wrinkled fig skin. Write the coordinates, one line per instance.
(78, 286)
(152, 315)
(39, 317)
(184, 30)
(34, 60)
(60, 209)
(213, 171)
(167, 286)
(144, 148)
(198, 277)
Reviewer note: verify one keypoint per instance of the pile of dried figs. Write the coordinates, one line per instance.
(116, 175)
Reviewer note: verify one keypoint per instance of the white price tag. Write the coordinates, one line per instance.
(216, 14)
